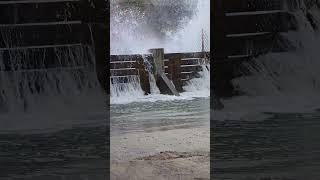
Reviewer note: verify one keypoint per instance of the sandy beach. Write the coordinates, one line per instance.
(161, 154)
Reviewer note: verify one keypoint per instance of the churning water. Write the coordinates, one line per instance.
(129, 38)
(52, 114)
(124, 93)
(37, 96)
(130, 34)
(292, 77)
(272, 131)
(131, 110)
(181, 21)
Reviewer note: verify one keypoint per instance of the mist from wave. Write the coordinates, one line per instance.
(132, 34)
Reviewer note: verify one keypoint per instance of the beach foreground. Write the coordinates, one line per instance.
(161, 154)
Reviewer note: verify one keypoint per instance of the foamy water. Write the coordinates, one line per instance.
(53, 114)
(128, 39)
(281, 82)
(40, 98)
(132, 92)
(144, 125)
(130, 33)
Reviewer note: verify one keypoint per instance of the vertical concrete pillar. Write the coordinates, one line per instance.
(158, 57)
(164, 84)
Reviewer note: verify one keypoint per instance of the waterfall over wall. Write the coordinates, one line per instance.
(49, 88)
(292, 72)
(123, 93)
(27, 79)
(132, 31)
(281, 81)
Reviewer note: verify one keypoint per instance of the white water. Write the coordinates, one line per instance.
(188, 39)
(50, 98)
(132, 92)
(130, 34)
(284, 82)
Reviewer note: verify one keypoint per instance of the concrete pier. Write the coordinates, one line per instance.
(158, 57)
(164, 84)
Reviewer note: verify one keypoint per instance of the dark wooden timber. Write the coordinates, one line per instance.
(131, 57)
(50, 34)
(95, 13)
(143, 77)
(24, 12)
(178, 67)
(174, 71)
(250, 5)
(243, 30)
(45, 28)
(183, 55)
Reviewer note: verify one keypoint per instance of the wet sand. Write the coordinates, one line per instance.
(161, 154)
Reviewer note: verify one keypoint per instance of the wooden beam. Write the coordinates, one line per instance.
(250, 13)
(143, 77)
(41, 24)
(12, 37)
(249, 5)
(247, 34)
(46, 69)
(40, 47)
(174, 69)
(35, 1)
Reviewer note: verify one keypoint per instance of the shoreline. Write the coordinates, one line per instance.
(162, 154)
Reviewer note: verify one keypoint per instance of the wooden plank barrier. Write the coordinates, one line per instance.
(31, 28)
(242, 31)
(177, 67)
(143, 77)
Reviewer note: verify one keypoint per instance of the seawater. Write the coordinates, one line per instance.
(280, 147)
(53, 121)
(144, 116)
(135, 114)
(132, 110)
(272, 132)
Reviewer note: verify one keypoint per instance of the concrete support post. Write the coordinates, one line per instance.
(164, 84)
(158, 57)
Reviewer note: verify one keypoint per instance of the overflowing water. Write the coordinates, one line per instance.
(52, 114)
(270, 132)
(137, 120)
(38, 95)
(131, 32)
(289, 78)
(123, 93)
(132, 35)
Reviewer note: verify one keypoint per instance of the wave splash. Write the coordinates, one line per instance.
(282, 82)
